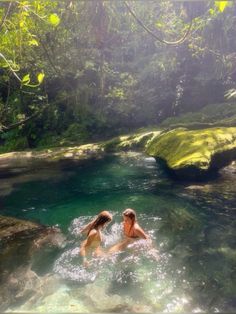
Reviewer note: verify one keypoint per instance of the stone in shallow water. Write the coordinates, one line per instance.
(16, 238)
(49, 295)
(24, 286)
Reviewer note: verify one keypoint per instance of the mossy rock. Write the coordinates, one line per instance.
(128, 142)
(194, 153)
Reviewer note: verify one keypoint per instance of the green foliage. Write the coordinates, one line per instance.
(54, 19)
(221, 5)
(76, 133)
(49, 140)
(86, 69)
(14, 141)
(212, 114)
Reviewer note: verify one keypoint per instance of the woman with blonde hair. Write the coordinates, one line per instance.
(91, 246)
(132, 231)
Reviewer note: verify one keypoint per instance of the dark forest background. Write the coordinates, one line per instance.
(79, 71)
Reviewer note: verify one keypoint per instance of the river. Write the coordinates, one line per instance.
(191, 266)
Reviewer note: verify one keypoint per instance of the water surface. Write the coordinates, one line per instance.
(192, 227)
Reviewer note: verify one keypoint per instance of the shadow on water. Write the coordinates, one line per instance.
(192, 225)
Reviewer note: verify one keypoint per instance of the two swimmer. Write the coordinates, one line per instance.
(91, 246)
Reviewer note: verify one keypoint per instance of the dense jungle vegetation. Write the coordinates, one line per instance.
(75, 71)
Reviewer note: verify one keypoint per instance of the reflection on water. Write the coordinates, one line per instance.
(189, 268)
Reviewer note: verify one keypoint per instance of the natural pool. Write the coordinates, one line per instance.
(192, 226)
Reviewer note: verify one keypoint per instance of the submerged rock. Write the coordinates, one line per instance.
(193, 154)
(16, 238)
(24, 288)
(11, 228)
(22, 243)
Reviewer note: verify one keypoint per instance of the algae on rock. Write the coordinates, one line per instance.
(193, 153)
(127, 142)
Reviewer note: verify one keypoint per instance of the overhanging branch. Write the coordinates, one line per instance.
(5, 15)
(170, 43)
(4, 129)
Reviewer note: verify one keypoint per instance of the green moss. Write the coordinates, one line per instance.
(181, 148)
(210, 116)
(128, 142)
(111, 145)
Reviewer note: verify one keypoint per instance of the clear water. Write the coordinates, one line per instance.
(192, 227)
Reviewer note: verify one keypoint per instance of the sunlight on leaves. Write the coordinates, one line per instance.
(40, 77)
(25, 80)
(230, 93)
(33, 42)
(221, 5)
(54, 19)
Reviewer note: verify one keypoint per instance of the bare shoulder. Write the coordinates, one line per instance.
(140, 232)
(92, 233)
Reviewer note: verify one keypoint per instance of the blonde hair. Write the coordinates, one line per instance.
(130, 213)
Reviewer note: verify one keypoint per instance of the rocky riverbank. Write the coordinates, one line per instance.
(187, 154)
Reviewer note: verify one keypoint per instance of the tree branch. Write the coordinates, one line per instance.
(170, 43)
(4, 128)
(6, 15)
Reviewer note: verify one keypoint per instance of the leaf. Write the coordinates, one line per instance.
(159, 25)
(40, 77)
(89, 65)
(221, 5)
(212, 11)
(33, 42)
(54, 19)
(26, 79)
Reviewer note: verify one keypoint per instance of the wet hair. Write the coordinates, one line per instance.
(131, 214)
(101, 219)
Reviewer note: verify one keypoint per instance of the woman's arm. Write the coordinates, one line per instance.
(140, 232)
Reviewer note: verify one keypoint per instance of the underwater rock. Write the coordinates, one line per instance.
(196, 153)
(11, 228)
(19, 242)
(100, 300)
(24, 286)
(16, 238)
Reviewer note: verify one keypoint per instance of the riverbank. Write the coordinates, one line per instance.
(187, 154)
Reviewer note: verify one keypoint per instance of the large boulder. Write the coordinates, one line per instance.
(195, 153)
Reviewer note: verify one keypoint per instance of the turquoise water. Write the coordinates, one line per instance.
(192, 227)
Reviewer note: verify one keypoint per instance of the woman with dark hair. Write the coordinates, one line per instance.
(91, 246)
(132, 231)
